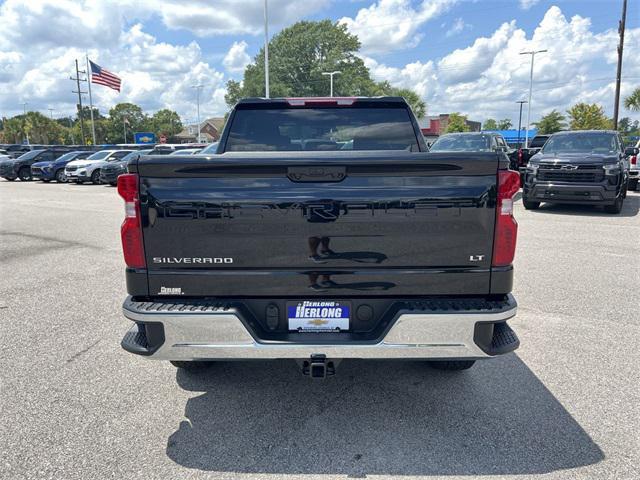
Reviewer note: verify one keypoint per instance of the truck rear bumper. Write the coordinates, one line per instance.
(183, 331)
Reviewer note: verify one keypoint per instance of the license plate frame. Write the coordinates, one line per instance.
(319, 316)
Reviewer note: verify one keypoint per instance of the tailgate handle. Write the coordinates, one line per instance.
(316, 174)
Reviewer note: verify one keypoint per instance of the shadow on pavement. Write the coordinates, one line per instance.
(377, 418)
(629, 208)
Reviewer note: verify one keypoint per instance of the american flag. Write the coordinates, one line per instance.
(102, 76)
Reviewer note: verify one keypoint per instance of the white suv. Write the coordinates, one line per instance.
(88, 170)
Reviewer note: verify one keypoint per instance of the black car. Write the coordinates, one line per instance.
(14, 150)
(21, 167)
(110, 173)
(580, 167)
(525, 153)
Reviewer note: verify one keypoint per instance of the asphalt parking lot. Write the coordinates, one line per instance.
(76, 406)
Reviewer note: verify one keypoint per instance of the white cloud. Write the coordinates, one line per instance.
(487, 78)
(458, 26)
(527, 4)
(237, 57)
(390, 25)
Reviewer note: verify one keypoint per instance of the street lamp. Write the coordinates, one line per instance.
(520, 121)
(533, 56)
(331, 74)
(198, 88)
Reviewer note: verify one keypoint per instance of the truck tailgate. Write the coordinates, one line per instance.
(355, 223)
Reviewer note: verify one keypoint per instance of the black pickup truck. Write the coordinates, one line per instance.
(579, 167)
(321, 229)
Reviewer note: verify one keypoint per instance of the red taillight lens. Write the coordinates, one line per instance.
(131, 230)
(506, 230)
(520, 157)
(634, 160)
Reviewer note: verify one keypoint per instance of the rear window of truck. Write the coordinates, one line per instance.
(321, 129)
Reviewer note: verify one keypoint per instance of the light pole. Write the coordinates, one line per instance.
(533, 56)
(198, 87)
(331, 74)
(266, 49)
(520, 121)
(50, 113)
(24, 112)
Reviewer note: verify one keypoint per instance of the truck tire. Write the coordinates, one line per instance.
(60, 176)
(616, 207)
(95, 177)
(633, 184)
(190, 366)
(24, 174)
(528, 205)
(451, 365)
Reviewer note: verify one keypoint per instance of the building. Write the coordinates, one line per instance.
(434, 126)
(210, 131)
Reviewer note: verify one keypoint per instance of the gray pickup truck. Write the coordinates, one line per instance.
(322, 229)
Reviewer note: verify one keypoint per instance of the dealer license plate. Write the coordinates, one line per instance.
(318, 316)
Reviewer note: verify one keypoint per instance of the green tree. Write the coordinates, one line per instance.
(457, 123)
(121, 115)
(504, 124)
(552, 122)
(490, 124)
(632, 102)
(165, 122)
(413, 99)
(298, 56)
(584, 116)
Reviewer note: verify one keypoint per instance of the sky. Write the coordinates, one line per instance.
(458, 55)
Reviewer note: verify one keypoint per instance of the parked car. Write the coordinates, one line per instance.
(110, 172)
(167, 148)
(525, 153)
(14, 150)
(186, 151)
(21, 167)
(474, 142)
(634, 168)
(210, 149)
(88, 170)
(384, 250)
(54, 170)
(582, 167)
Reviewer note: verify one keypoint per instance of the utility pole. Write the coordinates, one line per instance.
(50, 113)
(621, 26)
(533, 56)
(198, 87)
(73, 139)
(520, 121)
(79, 92)
(266, 50)
(331, 74)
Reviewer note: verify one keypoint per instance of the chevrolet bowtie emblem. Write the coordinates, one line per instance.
(318, 322)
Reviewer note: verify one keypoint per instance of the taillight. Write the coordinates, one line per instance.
(506, 230)
(634, 160)
(131, 230)
(520, 157)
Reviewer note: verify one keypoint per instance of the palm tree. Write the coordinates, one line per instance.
(632, 102)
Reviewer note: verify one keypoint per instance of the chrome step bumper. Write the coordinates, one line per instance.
(182, 332)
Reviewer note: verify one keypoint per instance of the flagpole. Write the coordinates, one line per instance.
(93, 125)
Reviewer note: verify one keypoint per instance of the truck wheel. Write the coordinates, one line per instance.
(452, 365)
(60, 176)
(24, 174)
(190, 366)
(633, 184)
(616, 207)
(528, 205)
(95, 177)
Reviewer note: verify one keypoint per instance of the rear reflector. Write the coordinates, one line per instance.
(506, 230)
(131, 230)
